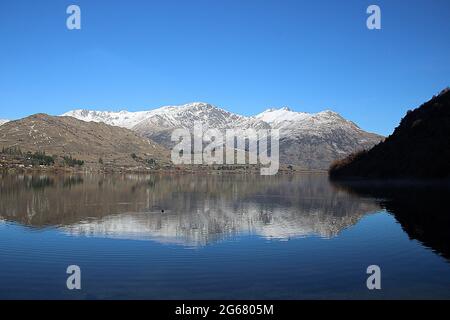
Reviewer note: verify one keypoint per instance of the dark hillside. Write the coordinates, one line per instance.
(418, 148)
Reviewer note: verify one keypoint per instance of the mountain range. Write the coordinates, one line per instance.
(307, 140)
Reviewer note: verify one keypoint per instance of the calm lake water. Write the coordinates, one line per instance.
(221, 237)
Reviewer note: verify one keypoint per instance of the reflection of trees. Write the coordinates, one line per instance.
(422, 208)
(197, 208)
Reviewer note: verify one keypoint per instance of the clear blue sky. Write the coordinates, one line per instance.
(242, 55)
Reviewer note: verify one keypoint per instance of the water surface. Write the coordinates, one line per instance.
(221, 237)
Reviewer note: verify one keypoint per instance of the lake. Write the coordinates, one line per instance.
(221, 237)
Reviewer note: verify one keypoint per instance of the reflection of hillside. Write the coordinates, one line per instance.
(197, 209)
(422, 208)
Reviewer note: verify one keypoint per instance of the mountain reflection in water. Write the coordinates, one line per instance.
(185, 209)
(218, 237)
(421, 207)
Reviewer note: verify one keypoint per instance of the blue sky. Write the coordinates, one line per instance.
(242, 55)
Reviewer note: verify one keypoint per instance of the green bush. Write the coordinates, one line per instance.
(40, 158)
(72, 162)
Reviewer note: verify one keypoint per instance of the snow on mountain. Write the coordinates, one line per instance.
(3, 121)
(123, 119)
(289, 121)
(276, 116)
(186, 115)
(310, 140)
(163, 117)
(169, 117)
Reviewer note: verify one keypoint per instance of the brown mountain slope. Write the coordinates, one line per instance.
(87, 141)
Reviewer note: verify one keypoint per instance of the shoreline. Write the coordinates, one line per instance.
(160, 171)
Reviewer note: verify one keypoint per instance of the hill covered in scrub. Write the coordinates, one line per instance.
(418, 148)
(47, 140)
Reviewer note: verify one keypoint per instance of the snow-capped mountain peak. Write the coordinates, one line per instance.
(186, 115)
(122, 118)
(166, 116)
(3, 121)
(276, 116)
(310, 140)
